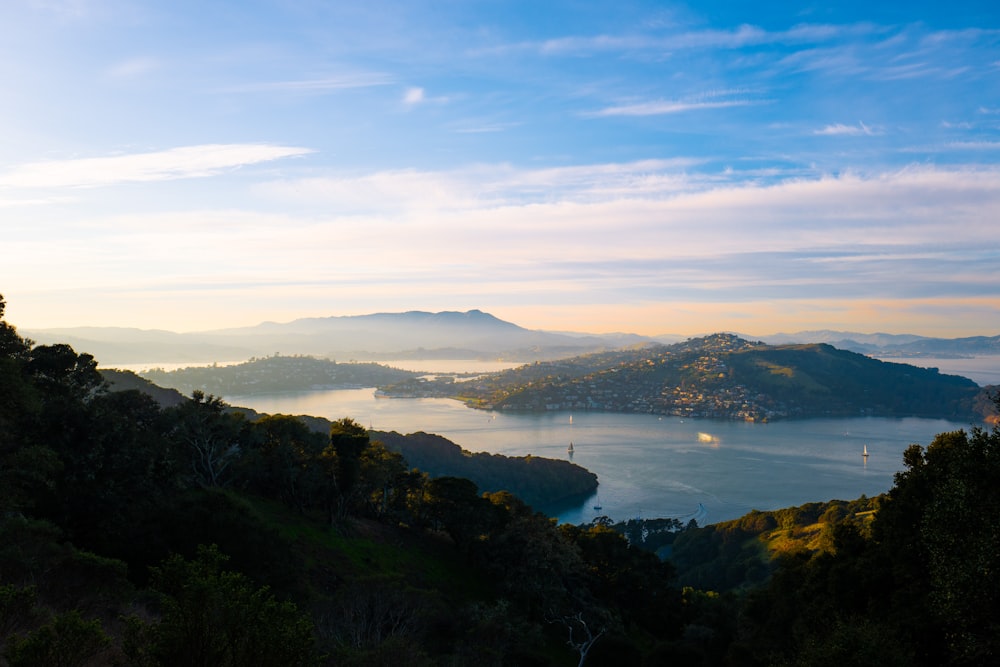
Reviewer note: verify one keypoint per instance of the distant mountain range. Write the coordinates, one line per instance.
(445, 335)
(380, 336)
(892, 345)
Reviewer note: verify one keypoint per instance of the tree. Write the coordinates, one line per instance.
(581, 636)
(17, 396)
(60, 370)
(633, 582)
(383, 474)
(453, 505)
(27, 475)
(534, 563)
(11, 344)
(941, 526)
(922, 588)
(26, 468)
(342, 461)
(370, 611)
(18, 609)
(211, 435)
(116, 469)
(214, 618)
(281, 461)
(68, 641)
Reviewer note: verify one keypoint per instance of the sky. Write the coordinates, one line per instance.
(629, 166)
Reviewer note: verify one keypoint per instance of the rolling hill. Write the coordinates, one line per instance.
(720, 376)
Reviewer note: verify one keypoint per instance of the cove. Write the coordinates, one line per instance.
(650, 466)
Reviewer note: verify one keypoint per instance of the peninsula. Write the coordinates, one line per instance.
(721, 376)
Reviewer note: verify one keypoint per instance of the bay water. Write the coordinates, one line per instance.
(650, 466)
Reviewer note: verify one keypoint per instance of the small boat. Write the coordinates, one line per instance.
(569, 450)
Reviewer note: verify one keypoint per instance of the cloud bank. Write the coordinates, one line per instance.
(496, 235)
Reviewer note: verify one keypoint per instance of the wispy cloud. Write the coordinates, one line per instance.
(175, 163)
(595, 43)
(898, 54)
(414, 96)
(668, 41)
(521, 174)
(751, 35)
(313, 85)
(917, 71)
(469, 236)
(839, 129)
(831, 60)
(975, 145)
(687, 236)
(484, 127)
(655, 205)
(663, 107)
(486, 186)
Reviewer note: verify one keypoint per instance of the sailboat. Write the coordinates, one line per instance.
(597, 505)
(569, 450)
(866, 453)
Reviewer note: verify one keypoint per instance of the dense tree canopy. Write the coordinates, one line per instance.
(148, 535)
(141, 535)
(922, 589)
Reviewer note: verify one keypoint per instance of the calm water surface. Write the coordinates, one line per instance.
(983, 370)
(650, 466)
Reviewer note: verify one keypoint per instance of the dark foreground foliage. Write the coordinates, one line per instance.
(137, 534)
(925, 586)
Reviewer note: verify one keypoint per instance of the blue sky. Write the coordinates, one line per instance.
(592, 166)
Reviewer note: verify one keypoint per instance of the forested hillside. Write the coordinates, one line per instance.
(136, 534)
(543, 483)
(276, 374)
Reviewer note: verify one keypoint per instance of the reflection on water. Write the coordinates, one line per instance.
(653, 466)
(708, 439)
(438, 366)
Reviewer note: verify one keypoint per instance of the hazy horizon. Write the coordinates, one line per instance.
(664, 334)
(646, 167)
